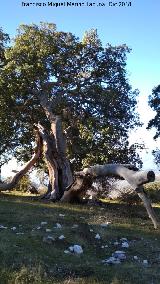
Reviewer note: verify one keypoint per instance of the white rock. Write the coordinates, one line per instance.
(91, 230)
(119, 254)
(97, 237)
(48, 230)
(123, 240)
(58, 226)
(116, 243)
(48, 239)
(71, 248)
(125, 245)
(145, 262)
(61, 215)
(61, 237)
(77, 249)
(43, 223)
(106, 246)
(3, 227)
(135, 257)
(13, 228)
(66, 251)
(102, 247)
(38, 228)
(19, 233)
(111, 260)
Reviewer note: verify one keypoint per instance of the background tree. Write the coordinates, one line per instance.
(57, 84)
(5, 124)
(154, 102)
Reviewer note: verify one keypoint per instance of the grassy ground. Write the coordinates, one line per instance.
(25, 258)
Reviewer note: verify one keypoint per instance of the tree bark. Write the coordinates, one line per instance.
(60, 175)
(26, 167)
(135, 178)
(78, 188)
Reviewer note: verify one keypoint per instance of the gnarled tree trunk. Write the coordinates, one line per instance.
(54, 148)
(135, 178)
(60, 175)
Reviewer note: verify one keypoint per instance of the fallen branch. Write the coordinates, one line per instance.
(135, 178)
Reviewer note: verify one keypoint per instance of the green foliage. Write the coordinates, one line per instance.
(24, 184)
(86, 84)
(153, 189)
(154, 102)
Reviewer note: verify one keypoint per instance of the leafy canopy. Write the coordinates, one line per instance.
(85, 83)
(154, 102)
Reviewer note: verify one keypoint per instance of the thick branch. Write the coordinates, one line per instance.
(134, 178)
(147, 203)
(26, 167)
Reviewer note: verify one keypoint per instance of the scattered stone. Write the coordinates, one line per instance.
(145, 262)
(116, 243)
(106, 246)
(125, 245)
(48, 239)
(111, 260)
(43, 223)
(61, 215)
(3, 227)
(38, 228)
(91, 230)
(119, 254)
(67, 251)
(71, 248)
(102, 247)
(123, 240)
(48, 230)
(13, 228)
(58, 226)
(77, 249)
(61, 237)
(135, 257)
(98, 237)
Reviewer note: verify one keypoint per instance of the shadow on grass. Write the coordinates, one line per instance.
(26, 257)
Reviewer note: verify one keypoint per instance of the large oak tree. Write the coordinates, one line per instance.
(56, 87)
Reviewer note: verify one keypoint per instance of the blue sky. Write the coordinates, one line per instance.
(138, 26)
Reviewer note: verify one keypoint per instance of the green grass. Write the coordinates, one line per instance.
(27, 259)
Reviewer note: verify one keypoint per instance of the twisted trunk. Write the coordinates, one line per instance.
(54, 146)
(54, 149)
